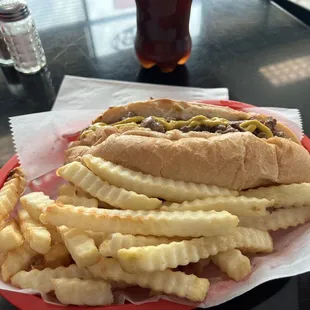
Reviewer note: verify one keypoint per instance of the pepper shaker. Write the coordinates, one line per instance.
(21, 36)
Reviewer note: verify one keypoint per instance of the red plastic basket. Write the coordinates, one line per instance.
(33, 302)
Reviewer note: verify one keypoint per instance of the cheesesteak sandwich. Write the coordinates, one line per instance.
(196, 143)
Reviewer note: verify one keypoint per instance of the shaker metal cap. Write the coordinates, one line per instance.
(13, 10)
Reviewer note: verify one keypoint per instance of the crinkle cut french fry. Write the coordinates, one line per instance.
(240, 206)
(57, 256)
(114, 242)
(10, 192)
(34, 232)
(152, 186)
(98, 237)
(234, 263)
(55, 235)
(78, 174)
(170, 224)
(17, 173)
(17, 260)
(292, 195)
(72, 190)
(10, 237)
(81, 193)
(67, 190)
(41, 279)
(78, 201)
(164, 256)
(167, 281)
(2, 258)
(80, 245)
(279, 219)
(35, 203)
(83, 292)
(3, 223)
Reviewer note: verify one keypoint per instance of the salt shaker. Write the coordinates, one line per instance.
(21, 37)
(5, 57)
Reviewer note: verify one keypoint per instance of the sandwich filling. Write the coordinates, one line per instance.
(260, 128)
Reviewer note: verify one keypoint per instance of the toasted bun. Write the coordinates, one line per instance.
(234, 160)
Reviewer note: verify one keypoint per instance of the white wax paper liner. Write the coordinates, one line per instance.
(39, 138)
(78, 93)
(41, 155)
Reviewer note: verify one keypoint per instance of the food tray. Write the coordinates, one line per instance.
(26, 301)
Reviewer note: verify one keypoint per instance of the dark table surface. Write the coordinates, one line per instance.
(254, 48)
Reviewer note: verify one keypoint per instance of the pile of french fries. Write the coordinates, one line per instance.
(111, 227)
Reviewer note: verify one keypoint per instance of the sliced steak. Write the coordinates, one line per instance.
(151, 123)
(129, 114)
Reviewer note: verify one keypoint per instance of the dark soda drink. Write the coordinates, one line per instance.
(163, 36)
